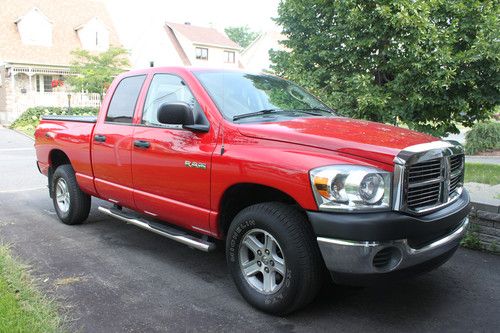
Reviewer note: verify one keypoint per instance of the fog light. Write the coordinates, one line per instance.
(387, 258)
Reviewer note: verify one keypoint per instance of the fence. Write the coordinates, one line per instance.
(32, 99)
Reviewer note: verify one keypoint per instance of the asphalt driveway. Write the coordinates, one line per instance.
(113, 277)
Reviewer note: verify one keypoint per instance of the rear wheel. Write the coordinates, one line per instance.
(71, 204)
(273, 257)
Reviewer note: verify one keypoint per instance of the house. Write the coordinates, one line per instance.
(36, 41)
(201, 46)
(256, 56)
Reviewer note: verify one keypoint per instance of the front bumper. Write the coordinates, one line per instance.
(377, 245)
(355, 257)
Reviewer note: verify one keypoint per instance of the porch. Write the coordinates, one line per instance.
(27, 85)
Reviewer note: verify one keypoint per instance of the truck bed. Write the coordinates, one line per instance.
(71, 135)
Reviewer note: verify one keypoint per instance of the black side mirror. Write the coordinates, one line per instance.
(175, 114)
(180, 113)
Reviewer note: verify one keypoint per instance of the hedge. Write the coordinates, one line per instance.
(31, 117)
(482, 137)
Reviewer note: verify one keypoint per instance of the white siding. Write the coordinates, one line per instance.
(94, 36)
(35, 29)
(215, 54)
(256, 56)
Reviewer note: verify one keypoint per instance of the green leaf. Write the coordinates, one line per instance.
(430, 64)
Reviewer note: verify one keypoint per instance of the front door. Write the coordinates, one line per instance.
(171, 165)
(112, 144)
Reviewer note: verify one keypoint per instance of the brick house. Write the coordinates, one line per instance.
(36, 40)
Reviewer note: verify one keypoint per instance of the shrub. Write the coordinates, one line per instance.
(471, 239)
(482, 137)
(31, 117)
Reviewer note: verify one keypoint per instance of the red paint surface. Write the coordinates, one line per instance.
(157, 182)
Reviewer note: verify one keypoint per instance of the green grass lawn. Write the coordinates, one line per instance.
(22, 306)
(482, 173)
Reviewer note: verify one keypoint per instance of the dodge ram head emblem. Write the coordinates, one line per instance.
(197, 165)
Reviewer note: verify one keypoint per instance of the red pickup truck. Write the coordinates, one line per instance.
(199, 155)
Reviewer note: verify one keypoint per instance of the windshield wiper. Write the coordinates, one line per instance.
(257, 113)
(313, 111)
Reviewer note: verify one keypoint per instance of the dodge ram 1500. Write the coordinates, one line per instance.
(294, 190)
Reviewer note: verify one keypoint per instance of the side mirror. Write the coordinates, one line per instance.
(179, 113)
(175, 114)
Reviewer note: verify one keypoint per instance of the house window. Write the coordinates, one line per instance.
(47, 83)
(229, 57)
(202, 53)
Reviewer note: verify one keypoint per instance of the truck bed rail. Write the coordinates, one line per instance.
(81, 119)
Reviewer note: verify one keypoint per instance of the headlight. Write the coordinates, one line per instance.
(351, 187)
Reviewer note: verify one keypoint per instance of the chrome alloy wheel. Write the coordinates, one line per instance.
(262, 261)
(62, 195)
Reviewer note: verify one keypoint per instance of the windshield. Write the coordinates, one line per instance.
(240, 95)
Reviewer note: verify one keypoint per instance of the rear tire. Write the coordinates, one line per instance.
(291, 248)
(71, 204)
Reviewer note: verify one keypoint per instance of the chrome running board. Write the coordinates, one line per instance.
(161, 229)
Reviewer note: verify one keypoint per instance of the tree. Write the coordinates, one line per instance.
(242, 36)
(431, 64)
(95, 72)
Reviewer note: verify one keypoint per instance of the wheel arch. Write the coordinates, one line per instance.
(242, 195)
(57, 157)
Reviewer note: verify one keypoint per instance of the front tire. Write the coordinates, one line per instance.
(71, 204)
(273, 258)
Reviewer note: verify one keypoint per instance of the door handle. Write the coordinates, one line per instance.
(99, 138)
(142, 144)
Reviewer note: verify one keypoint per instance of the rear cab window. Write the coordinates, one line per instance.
(122, 106)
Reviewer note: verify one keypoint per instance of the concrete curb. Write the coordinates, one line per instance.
(489, 206)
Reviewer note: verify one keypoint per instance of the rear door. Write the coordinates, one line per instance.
(171, 165)
(112, 142)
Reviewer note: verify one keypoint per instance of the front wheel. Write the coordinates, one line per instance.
(273, 257)
(71, 204)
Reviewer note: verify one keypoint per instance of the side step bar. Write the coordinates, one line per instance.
(163, 230)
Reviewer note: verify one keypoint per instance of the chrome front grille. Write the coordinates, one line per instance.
(428, 176)
(456, 173)
(425, 171)
(423, 195)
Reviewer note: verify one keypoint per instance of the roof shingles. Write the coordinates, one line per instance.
(64, 15)
(203, 35)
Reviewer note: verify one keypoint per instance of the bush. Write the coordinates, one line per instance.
(29, 120)
(482, 137)
(471, 239)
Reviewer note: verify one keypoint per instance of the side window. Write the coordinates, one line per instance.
(122, 106)
(166, 88)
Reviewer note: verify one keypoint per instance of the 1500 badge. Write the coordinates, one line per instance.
(197, 165)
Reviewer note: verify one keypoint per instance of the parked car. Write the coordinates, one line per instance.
(198, 155)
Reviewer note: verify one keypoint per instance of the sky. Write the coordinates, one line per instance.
(134, 16)
(140, 22)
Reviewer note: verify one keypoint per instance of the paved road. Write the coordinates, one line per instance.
(112, 277)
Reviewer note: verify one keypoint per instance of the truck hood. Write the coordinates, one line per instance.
(361, 138)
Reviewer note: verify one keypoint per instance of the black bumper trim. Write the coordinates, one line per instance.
(386, 226)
